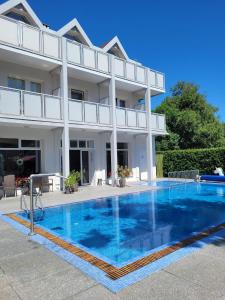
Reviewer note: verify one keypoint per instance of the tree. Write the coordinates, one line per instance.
(191, 120)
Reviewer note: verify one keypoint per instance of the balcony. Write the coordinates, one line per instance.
(89, 113)
(137, 119)
(29, 38)
(137, 73)
(28, 105)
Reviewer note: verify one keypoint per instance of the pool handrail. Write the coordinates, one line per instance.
(32, 232)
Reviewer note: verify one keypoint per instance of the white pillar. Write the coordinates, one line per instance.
(149, 155)
(64, 96)
(113, 139)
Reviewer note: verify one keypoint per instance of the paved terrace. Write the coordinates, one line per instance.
(30, 271)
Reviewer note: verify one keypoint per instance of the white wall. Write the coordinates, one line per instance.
(27, 74)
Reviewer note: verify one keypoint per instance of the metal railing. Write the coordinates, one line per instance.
(188, 174)
(31, 212)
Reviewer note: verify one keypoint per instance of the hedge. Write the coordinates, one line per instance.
(204, 160)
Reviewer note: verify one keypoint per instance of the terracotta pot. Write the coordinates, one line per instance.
(122, 182)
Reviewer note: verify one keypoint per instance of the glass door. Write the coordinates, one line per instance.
(85, 167)
(79, 161)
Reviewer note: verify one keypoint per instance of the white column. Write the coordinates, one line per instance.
(64, 96)
(113, 139)
(149, 155)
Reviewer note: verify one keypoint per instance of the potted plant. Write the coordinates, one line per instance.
(123, 173)
(71, 182)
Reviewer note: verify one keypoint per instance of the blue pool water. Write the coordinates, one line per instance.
(162, 183)
(123, 228)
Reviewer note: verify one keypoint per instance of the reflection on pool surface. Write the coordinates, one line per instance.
(122, 228)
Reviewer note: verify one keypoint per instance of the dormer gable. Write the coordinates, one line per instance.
(75, 32)
(20, 10)
(115, 47)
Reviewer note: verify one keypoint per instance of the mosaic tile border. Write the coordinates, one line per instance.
(113, 272)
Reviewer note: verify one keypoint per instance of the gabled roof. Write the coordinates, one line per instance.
(115, 42)
(75, 25)
(15, 4)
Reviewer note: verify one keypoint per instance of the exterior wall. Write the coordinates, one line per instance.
(57, 82)
(26, 73)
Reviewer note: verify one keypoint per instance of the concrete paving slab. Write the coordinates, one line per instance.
(97, 292)
(8, 294)
(14, 245)
(162, 285)
(35, 264)
(204, 270)
(58, 286)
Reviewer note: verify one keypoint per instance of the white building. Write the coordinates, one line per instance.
(66, 104)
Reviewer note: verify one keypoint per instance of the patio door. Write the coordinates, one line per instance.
(79, 161)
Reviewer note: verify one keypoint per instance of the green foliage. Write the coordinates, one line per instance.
(72, 179)
(159, 165)
(204, 160)
(191, 120)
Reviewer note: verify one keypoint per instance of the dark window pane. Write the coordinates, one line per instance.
(8, 143)
(76, 94)
(35, 87)
(122, 158)
(122, 146)
(30, 143)
(17, 17)
(108, 146)
(21, 163)
(16, 83)
(82, 144)
(73, 144)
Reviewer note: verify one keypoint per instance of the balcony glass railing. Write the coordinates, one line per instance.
(137, 119)
(29, 105)
(29, 38)
(79, 54)
(89, 112)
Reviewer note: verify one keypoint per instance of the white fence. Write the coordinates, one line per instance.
(27, 104)
(29, 38)
(89, 112)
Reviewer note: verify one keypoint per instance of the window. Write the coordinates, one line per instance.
(90, 144)
(9, 143)
(17, 17)
(30, 144)
(122, 156)
(73, 144)
(21, 163)
(16, 83)
(120, 103)
(76, 94)
(35, 87)
(82, 144)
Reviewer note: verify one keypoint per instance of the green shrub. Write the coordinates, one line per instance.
(159, 165)
(204, 160)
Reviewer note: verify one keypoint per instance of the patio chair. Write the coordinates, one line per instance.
(9, 186)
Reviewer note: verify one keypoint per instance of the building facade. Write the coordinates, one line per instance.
(66, 104)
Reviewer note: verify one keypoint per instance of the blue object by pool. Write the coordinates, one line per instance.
(213, 178)
(123, 228)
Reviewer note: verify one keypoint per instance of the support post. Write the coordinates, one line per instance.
(64, 97)
(113, 139)
(149, 154)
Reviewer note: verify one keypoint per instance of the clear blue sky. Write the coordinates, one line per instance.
(183, 39)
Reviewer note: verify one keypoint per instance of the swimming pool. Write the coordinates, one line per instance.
(121, 229)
